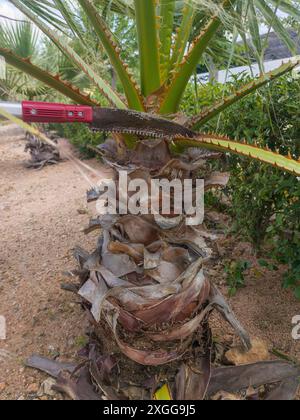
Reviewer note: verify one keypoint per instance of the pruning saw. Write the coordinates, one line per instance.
(100, 119)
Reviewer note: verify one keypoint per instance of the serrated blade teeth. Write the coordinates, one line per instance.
(144, 133)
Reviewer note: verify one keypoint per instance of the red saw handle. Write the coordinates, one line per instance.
(43, 112)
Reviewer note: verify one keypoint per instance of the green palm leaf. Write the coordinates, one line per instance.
(61, 43)
(223, 144)
(113, 50)
(55, 82)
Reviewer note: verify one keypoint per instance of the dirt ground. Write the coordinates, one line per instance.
(42, 216)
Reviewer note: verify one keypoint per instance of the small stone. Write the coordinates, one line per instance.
(53, 352)
(82, 211)
(33, 388)
(46, 388)
(21, 398)
(2, 387)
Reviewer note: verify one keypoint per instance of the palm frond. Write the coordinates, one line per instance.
(54, 81)
(21, 37)
(223, 144)
(64, 46)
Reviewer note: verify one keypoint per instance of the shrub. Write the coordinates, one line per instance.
(265, 201)
(80, 136)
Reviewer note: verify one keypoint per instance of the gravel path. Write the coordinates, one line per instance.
(40, 225)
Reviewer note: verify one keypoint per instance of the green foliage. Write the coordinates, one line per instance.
(212, 201)
(235, 271)
(21, 38)
(80, 136)
(265, 202)
(260, 187)
(284, 235)
(81, 341)
(268, 265)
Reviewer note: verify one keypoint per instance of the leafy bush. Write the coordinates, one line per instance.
(236, 275)
(80, 136)
(265, 201)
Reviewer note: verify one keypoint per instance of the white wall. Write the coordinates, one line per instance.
(224, 77)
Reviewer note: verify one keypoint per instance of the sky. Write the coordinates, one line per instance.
(8, 10)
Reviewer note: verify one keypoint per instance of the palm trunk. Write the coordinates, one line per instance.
(145, 284)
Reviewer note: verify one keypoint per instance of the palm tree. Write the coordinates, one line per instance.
(146, 281)
(22, 39)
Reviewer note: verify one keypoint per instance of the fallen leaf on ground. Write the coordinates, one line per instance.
(236, 378)
(52, 367)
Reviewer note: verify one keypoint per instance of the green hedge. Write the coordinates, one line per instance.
(265, 201)
(80, 136)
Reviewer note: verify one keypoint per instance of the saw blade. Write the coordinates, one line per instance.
(137, 123)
